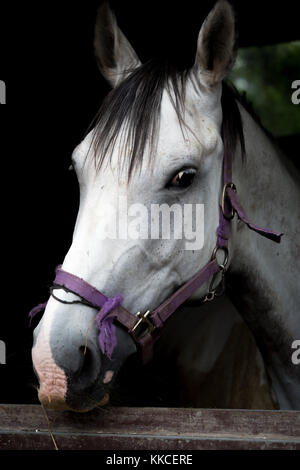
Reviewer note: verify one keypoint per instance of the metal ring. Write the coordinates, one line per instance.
(209, 297)
(223, 265)
(230, 215)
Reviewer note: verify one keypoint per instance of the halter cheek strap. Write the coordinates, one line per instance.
(146, 328)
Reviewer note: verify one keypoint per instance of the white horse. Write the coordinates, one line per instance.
(158, 140)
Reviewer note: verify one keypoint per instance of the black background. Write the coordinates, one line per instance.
(54, 90)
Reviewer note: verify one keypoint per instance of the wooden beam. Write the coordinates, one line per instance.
(24, 427)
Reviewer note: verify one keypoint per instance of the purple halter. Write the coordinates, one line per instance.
(146, 328)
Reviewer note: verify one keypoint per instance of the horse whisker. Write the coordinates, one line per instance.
(49, 427)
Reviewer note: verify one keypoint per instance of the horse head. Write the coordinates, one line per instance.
(155, 147)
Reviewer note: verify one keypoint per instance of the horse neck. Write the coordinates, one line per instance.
(264, 277)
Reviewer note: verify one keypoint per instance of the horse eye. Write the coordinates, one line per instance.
(183, 179)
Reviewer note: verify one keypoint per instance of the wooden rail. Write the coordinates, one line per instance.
(24, 427)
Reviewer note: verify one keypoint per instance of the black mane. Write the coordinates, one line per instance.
(133, 109)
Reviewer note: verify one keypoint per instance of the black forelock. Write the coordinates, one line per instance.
(131, 111)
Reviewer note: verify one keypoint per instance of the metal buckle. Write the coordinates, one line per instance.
(219, 289)
(230, 215)
(143, 318)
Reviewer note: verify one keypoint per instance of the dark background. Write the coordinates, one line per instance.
(54, 90)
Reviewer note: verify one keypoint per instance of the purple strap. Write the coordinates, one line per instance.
(231, 201)
(274, 236)
(36, 310)
(165, 310)
(107, 337)
(223, 231)
(107, 333)
(80, 287)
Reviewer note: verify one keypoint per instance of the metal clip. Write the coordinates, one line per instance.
(226, 256)
(219, 289)
(209, 297)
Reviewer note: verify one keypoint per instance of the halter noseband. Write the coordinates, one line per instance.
(146, 328)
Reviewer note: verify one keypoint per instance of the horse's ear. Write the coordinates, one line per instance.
(113, 52)
(216, 47)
